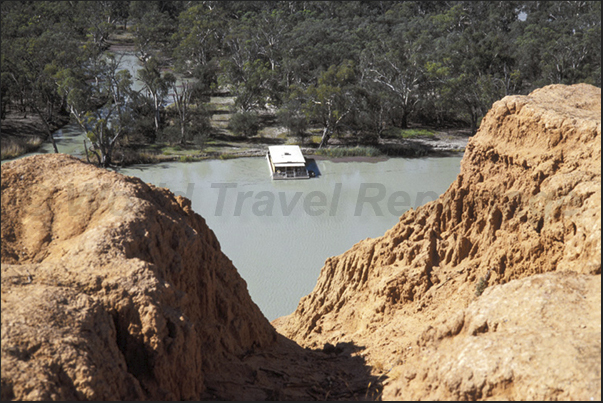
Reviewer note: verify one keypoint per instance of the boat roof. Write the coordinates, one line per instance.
(290, 155)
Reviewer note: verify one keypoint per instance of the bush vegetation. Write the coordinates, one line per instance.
(244, 124)
(366, 69)
(357, 151)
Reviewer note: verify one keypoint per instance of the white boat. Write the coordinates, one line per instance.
(287, 162)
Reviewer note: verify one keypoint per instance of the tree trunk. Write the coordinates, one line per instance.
(474, 118)
(157, 117)
(48, 130)
(86, 151)
(106, 155)
(182, 132)
(326, 135)
(404, 122)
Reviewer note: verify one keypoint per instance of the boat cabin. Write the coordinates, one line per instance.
(287, 162)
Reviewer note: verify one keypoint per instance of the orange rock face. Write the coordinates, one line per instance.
(527, 202)
(113, 289)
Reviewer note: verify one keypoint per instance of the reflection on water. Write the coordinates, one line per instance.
(279, 233)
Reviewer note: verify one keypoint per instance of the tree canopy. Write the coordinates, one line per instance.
(355, 65)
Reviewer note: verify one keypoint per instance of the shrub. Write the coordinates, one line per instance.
(357, 151)
(295, 123)
(15, 147)
(244, 124)
(482, 283)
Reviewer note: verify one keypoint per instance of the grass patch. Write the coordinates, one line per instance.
(226, 156)
(13, 147)
(187, 158)
(357, 151)
(129, 156)
(12, 150)
(315, 139)
(408, 133)
(174, 150)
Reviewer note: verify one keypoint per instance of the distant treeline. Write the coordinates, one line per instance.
(358, 66)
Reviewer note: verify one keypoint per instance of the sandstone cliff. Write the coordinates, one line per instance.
(136, 298)
(527, 202)
(113, 289)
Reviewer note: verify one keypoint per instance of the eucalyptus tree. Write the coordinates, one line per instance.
(373, 111)
(291, 116)
(331, 99)
(199, 38)
(246, 71)
(97, 20)
(395, 66)
(102, 125)
(154, 24)
(471, 63)
(560, 42)
(156, 86)
(188, 102)
(36, 41)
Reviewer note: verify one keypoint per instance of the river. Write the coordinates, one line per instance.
(278, 234)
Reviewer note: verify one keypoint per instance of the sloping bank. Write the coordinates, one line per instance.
(494, 289)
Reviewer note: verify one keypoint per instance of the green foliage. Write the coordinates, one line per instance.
(198, 38)
(103, 108)
(359, 67)
(332, 99)
(226, 156)
(244, 124)
(481, 285)
(408, 133)
(154, 24)
(292, 118)
(187, 158)
(338, 152)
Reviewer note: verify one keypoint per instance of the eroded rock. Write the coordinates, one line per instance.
(113, 289)
(527, 202)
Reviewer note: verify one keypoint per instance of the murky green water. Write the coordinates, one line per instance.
(279, 233)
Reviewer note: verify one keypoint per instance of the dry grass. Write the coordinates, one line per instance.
(13, 147)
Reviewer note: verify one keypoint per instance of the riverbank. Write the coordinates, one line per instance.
(26, 133)
(224, 145)
(22, 135)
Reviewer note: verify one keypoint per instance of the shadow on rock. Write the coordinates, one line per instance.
(286, 371)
